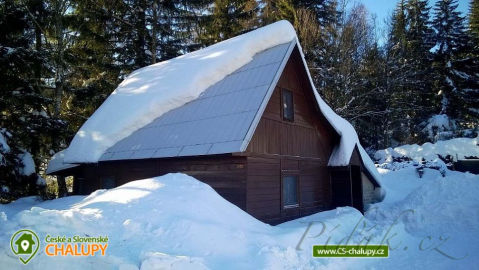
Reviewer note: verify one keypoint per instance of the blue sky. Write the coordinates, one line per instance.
(382, 8)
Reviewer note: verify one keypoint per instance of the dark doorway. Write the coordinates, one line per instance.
(341, 187)
(79, 186)
(357, 186)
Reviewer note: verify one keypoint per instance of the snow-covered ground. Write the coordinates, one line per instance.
(177, 222)
(457, 148)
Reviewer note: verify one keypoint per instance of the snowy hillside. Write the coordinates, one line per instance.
(177, 222)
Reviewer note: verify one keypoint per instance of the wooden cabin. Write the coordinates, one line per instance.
(259, 137)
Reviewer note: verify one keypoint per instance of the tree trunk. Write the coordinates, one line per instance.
(140, 42)
(59, 84)
(154, 30)
(62, 187)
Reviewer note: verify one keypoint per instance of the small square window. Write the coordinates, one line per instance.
(290, 191)
(108, 182)
(288, 106)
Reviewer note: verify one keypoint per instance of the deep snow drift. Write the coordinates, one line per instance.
(177, 222)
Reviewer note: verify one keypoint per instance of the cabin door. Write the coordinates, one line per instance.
(341, 187)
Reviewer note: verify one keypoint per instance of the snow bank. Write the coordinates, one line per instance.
(440, 205)
(458, 148)
(151, 91)
(177, 222)
(174, 214)
(21, 204)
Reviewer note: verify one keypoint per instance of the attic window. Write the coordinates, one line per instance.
(287, 105)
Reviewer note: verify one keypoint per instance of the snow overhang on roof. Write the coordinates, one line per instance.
(152, 91)
(158, 112)
(57, 164)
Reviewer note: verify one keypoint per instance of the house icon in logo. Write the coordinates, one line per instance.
(25, 243)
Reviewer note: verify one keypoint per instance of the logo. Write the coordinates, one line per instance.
(25, 244)
(76, 245)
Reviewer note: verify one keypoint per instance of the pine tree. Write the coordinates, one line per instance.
(408, 71)
(273, 11)
(25, 120)
(398, 71)
(91, 59)
(457, 80)
(474, 21)
(228, 19)
(371, 121)
(326, 11)
(419, 43)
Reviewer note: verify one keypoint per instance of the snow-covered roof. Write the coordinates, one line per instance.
(205, 102)
(149, 92)
(57, 163)
(216, 122)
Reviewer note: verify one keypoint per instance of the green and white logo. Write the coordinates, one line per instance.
(25, 244)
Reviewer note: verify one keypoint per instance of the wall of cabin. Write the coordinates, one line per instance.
(368, 190)
(280, 147)
(225, 173)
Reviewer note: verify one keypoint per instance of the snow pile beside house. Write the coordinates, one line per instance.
(458, 148)
(150, 92)
(177, 222)
(144, 220)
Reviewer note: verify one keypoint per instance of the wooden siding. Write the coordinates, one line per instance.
(309, 135)
(225, 173)
(264, 176)
(368, 190)
(280, 147)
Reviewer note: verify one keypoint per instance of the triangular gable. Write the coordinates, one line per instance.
(349, 140)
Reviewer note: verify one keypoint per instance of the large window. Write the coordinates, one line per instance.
(287, 105)
(290, 191)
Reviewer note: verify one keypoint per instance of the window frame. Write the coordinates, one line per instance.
(283, 117)
(295, 175)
